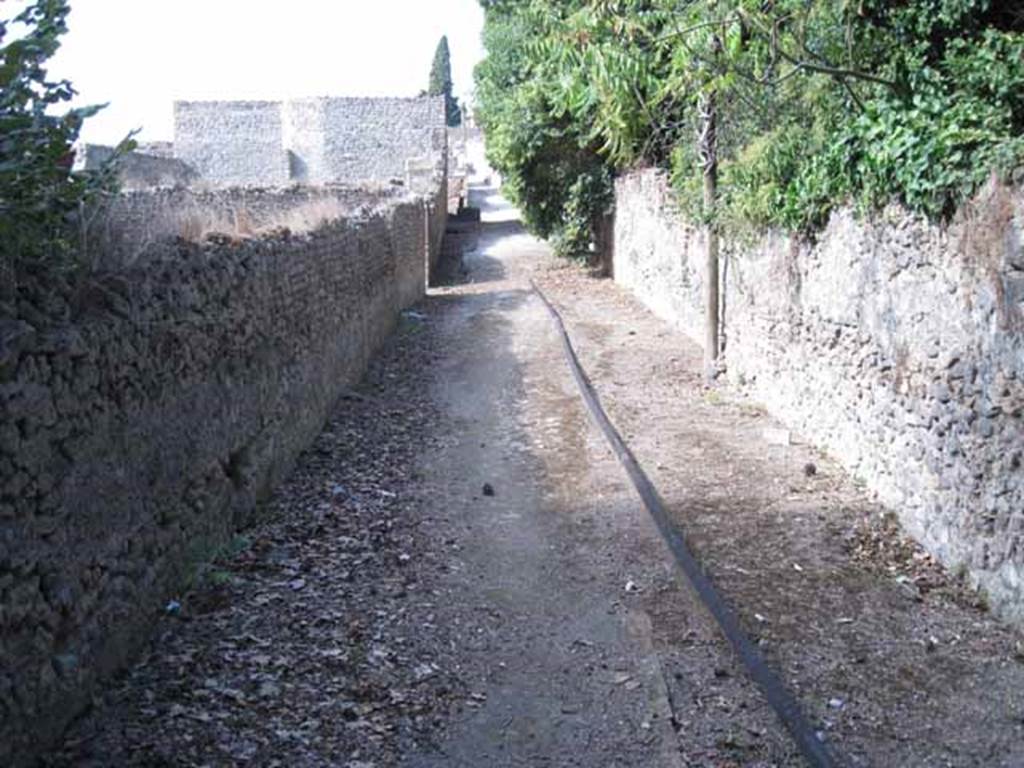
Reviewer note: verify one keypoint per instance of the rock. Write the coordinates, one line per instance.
(65, 664)
(10, 439)
(15, 336)
(67, 341)
(269, 689)
(940, 392)
(958, 370)
(810, 469)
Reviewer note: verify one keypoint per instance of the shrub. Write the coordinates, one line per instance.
(40, 194)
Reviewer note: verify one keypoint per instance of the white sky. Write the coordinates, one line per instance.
(140, 55)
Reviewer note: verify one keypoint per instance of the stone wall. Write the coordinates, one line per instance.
(232, 142)
(141, 224)
(138, 170)
(468, 156)
(310, 141)
(156, 148)
(436, 223)
(363, 139)
(895, 344)
(143, 427)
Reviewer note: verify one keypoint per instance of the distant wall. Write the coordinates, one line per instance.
(437, 222)
(139, 433)
(368, 139)
(895, 344)
(305, 125)
(310, 141)
(232, 143)
(144, 224)
(139, 170)
(157, 148)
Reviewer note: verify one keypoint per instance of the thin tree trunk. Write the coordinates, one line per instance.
(604, 242)
(707, 151)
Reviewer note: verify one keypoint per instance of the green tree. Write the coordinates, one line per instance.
(816, 103)
(441, 82)
(550, 163)
(40, 195)
(797, 106)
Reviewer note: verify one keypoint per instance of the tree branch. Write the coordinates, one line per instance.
(825, 68)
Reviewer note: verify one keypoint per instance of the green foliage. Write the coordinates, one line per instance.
(550, 161)
(589, 197)
(441, 82)
(549, 167)
(39, 193)
(819, 103)
(951, 118)
(441, 69)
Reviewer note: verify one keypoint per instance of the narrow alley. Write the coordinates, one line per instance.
(459, 573)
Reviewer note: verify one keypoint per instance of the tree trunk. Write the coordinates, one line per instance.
(707, 151)
(604, 244)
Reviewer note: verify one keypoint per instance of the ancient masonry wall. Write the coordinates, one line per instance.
(232, 143)
(142, 430)
(360, 139)
(141, 224)
(895, 344)
(310, 141)
(139, 170)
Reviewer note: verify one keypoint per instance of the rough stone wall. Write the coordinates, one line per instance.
(232, 142)
(657, 254)
(364, 139)
(136, 224)
(305, 123)
(895, 344)
(156, 148)
(458, 192)
(140, 432)
(310, 141)
(138, 170)
(437, 222)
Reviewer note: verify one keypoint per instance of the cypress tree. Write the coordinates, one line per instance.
(441, 82)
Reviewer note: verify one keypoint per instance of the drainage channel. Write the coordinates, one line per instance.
(811, 744)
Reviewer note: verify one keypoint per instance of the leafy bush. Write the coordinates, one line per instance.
(550, 166)
(939, 110)
(589, 197)
(817, 103)
(40, 195)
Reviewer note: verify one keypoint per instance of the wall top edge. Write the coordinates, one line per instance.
(306, 100)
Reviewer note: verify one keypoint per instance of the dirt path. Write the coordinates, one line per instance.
(886, 652)
(563, 668)
(891, 656)
(458, 574)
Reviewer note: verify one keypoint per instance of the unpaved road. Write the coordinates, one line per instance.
(395, 613)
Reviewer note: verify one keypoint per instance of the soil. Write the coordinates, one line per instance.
(459, 574)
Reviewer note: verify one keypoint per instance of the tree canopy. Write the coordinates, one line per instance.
(819, 103)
